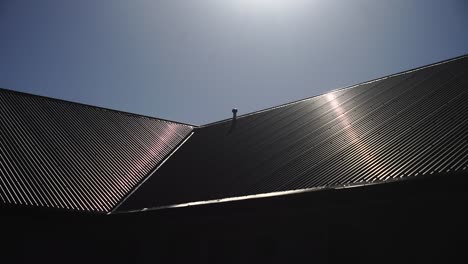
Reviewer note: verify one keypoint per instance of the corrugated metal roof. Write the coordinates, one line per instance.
(65, 155)
(409, 124)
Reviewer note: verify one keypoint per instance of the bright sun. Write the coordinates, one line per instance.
(267, 6)
(262, 4)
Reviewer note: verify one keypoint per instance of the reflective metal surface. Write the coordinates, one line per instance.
(65, 155)
(409, 124)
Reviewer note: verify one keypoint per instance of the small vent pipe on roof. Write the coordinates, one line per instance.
(234, 114)
(234, 120)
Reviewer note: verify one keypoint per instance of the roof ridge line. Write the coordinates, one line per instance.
(338, 89)
(93, 106)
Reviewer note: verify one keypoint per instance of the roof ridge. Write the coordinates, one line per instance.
(92, 106)
(339, 89)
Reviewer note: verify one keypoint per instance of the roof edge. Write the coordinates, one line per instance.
(338, 89)
(267, 195)
(93, 106)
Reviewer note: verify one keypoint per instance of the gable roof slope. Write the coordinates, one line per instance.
(62, 155)
(409, 124)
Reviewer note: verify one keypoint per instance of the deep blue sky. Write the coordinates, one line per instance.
(193, 60)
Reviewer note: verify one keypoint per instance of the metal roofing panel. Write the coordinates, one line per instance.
(409, 124)
(65, 155)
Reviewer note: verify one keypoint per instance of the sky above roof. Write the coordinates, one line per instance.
(193, 61)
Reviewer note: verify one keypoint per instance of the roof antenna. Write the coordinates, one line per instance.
(234, 120)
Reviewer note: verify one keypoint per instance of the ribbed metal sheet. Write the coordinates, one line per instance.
(64, 155)
(409, 124)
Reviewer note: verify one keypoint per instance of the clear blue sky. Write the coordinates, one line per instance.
(194, 60)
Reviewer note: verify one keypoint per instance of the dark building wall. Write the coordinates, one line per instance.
(413, 221)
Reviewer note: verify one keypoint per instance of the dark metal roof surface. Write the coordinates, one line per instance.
(65, 155)
(410, 124)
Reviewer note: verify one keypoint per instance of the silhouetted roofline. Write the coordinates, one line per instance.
(247, 114)
(94, 107)
(337, 89)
